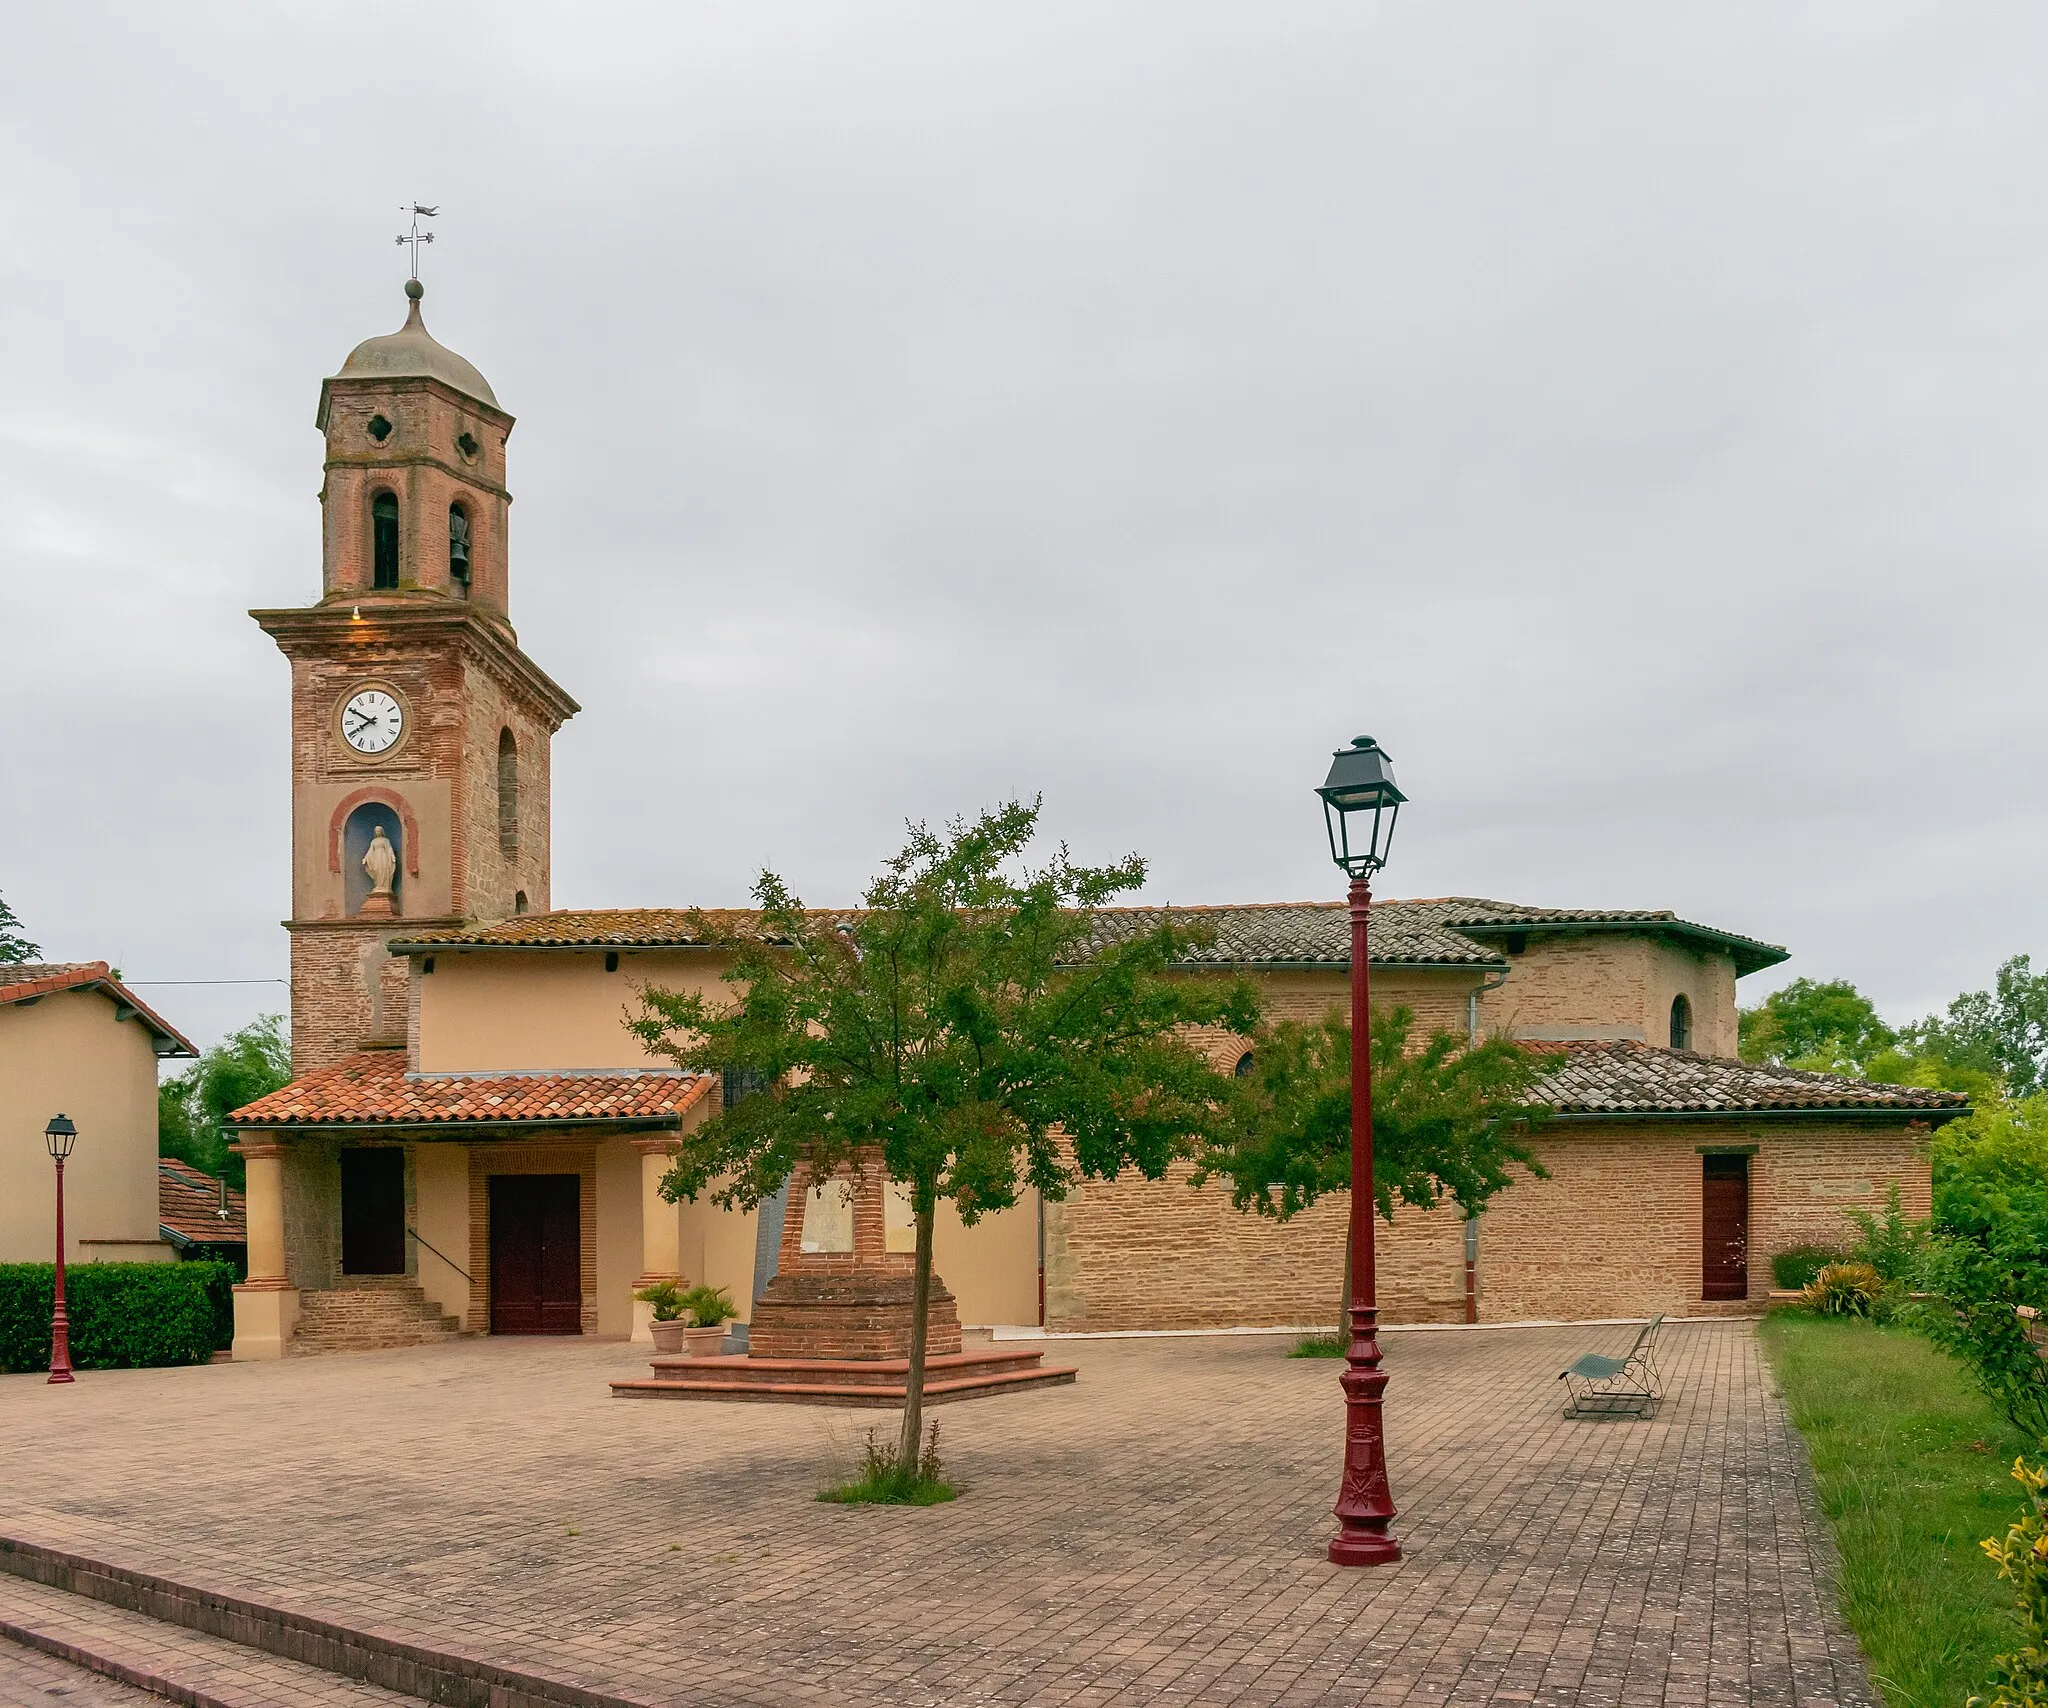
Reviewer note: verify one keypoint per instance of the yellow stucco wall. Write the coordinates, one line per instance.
(544, 1009)
(69, 1053)
(441, 1206)
(618, 1234)
(992, 1267)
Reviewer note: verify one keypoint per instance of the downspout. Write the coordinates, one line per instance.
(1472, 1003)
(1472, 1221)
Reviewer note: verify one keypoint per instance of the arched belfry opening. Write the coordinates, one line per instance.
(373, 862)
(1681, 1023)
(508, 795)
(384, 540)
(459, 554)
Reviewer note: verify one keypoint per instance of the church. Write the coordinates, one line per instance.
(473, 1143)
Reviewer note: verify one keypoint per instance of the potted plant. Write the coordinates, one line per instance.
(671, 1309)
(708, 1308)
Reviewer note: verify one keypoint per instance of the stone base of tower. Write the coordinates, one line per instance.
(850, 1314)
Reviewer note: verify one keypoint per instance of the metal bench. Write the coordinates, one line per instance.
(1597, 1385)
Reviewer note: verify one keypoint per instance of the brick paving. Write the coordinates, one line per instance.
(1151, 1535)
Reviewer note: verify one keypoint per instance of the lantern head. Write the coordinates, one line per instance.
(1360, 804)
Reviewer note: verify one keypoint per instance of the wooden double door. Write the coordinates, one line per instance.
(536, 1254)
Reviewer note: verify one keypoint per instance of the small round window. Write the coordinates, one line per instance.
(379, 428)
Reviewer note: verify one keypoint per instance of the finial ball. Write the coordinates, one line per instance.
(414, 289)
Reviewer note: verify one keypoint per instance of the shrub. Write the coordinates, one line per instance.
(1792, 1270)
(2020, 1679)
(123, 1315)
(1844, 1290)
(885, 1479)
(1977, 1289)
(1890, 1244)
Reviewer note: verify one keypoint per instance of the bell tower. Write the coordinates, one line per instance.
(420, 729)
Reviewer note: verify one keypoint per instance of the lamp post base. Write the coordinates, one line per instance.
(1365, 1504)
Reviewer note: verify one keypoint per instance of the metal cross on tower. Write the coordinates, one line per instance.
(416, 236)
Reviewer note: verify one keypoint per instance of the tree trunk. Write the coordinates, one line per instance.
(920, 1318)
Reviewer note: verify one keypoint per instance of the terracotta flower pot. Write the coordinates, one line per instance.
(705, 1342)
(668, 1336)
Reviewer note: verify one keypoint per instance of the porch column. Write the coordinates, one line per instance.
(660, 1229)
(267, 1304)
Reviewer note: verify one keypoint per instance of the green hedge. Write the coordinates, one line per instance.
(123, 1315)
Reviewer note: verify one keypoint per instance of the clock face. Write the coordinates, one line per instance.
(371, 721)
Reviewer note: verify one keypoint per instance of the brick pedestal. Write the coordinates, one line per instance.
(847, 1304)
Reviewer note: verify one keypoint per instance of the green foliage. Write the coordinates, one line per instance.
(1991, 1179)
(2020, 1679)
(975, 1022)
(1976, 1289)
(887, 1477)
(123, 1315)
(1844, 1290)
(709, 1307)
(1828, 1025)
(1318, 1346)
(1792, 1269)
(15, 949)
(2000, 1032)
(1449, 1120)
(666, 1298)
(1909, 1466)
(190, 1106)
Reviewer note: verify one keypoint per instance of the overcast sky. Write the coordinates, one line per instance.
(1634, 417)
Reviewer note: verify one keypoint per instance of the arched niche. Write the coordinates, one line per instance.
(358, 830)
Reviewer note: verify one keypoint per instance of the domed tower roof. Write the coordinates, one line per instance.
(412, 352)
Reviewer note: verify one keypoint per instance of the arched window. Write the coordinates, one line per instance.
(518, 906)
(1681, 1023)
(1245, 1064)
(458, 551)
(384, 540)
(508, 794)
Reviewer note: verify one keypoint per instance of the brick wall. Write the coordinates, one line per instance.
(1615, 1231)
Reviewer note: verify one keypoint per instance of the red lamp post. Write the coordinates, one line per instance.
(60, 1135)
(1360, 804)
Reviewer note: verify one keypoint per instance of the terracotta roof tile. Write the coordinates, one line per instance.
(28, 982)
(188, 1207)
(1451, 932)
(373, 1089)
(1630, 1078)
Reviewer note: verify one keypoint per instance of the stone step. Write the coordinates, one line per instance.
(841, 1372)
(846, 1393)
(370, 1312)
(187, 1667)
(208, 1648)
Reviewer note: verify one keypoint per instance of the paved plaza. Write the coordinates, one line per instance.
(1152, 1534)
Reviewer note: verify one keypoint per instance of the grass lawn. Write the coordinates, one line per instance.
(1913, 1468)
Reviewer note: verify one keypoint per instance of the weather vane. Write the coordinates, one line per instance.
(416, 236)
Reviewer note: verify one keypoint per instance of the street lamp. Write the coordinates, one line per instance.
(60, 1135)
(1360, 805)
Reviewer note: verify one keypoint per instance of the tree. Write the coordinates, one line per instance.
(241, 1068)
(14, 947)
(1449, 1120)
(978, 1028)
(2001, 1031)
(1831, 1026)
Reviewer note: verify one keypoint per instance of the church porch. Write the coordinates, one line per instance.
(521, 1204)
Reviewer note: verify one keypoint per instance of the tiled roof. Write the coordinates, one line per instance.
(188, 1207)
(30, 981)
(373, 1089)
(1630, 1078)
(1455, 931)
